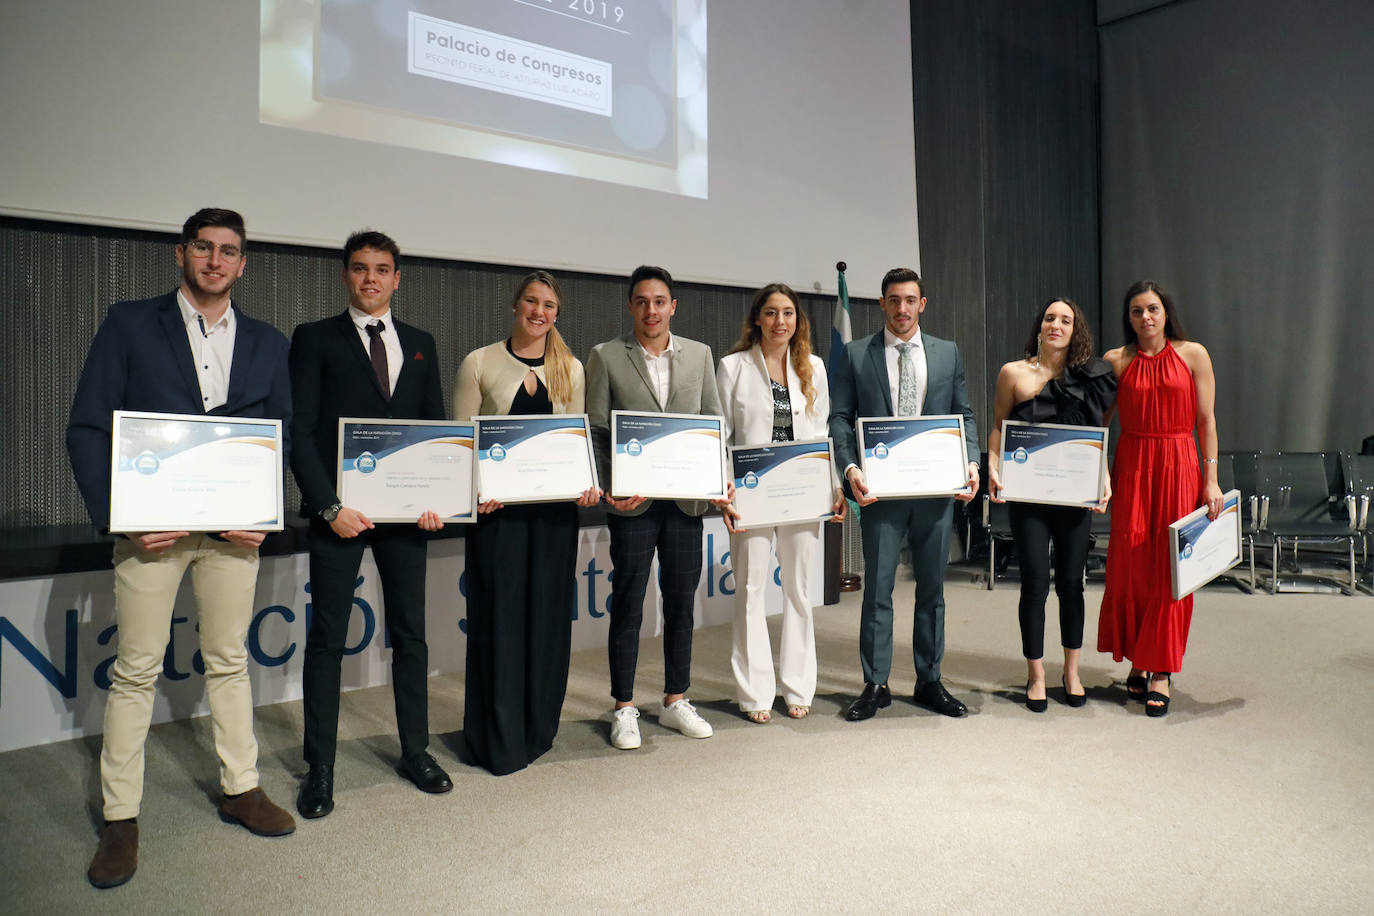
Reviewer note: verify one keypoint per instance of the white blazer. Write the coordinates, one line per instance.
(746, 398)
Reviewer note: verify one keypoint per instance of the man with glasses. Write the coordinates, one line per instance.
(190, 351)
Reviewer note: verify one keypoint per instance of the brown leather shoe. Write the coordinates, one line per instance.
(117, 858)
(254, 810)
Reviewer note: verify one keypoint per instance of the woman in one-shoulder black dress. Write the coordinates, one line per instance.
(1059, 381)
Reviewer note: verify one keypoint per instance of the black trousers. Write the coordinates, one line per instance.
(677, 538)
(1034, 527)
(400, 552)
(521, 596)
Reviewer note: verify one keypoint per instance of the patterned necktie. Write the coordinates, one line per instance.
(907, 405)
(377, 350)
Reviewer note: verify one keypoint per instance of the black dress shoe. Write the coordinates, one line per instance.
(427, 775)
(316, 798)
(933, 696)
(869, 702)
(1039, 705)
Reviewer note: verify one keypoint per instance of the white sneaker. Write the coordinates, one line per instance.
(683, 716)
(625, 728)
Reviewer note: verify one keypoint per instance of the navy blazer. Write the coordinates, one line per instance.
(140, 359)
(860, 388)
(332, 377)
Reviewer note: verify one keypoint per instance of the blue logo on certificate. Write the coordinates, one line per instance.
(880, 450)
(146, 463)
(1020, 456)
(366, 463)
(497, 452)
(751, 480)
(1187, 551)
(633, 447)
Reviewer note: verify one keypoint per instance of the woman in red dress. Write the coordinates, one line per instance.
(1165, 392)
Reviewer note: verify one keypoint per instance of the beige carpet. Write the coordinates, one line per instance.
(1254, 795)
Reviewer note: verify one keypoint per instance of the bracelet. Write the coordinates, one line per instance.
(1209, 461)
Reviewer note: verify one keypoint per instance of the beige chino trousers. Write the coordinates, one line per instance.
(224, 578)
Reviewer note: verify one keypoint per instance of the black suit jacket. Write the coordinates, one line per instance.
(140, 359)
(332, 377)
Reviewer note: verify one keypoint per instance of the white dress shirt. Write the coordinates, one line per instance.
(660, 370)
(918, 359)
(394, 356)
(212, 348)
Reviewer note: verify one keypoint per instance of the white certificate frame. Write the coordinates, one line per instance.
(783, 483)
(387, 467)
(896, 451)
(672, 456)
(1200, 549)
(513, 453)
(1034, 463)
(195, 472)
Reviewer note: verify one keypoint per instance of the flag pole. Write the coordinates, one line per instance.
(841, 333)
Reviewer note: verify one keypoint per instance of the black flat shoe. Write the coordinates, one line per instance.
(316, 798)
(1073, 699)
(1039, 705)
(1136, 685)
(869, 702)
(933, 696)
(1161, 701)
(425, 772)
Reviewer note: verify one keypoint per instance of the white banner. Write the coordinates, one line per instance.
(57, 635)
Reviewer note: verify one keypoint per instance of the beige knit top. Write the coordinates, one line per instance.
(488, 379)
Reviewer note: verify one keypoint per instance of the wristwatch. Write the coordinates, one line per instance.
(330, 513)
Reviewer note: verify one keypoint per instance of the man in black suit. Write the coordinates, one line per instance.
(362, 363)
(190, 351)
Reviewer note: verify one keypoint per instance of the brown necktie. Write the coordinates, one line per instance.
(377, 350)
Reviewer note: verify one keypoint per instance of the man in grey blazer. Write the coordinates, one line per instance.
(901, 372)
(652, 371)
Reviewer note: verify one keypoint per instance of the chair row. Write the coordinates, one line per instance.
(1307, 509)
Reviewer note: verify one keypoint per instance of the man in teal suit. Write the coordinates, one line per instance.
(901, 372)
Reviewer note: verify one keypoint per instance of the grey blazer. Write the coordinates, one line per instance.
(618, 379)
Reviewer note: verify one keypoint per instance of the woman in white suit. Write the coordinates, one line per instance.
(772, 389)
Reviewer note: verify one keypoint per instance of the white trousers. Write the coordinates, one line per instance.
(224, 578)
(751, 657)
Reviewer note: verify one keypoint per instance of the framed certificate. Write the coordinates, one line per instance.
(904, 457)
(1200, 549)
(394, 470)
(534, 459)
(1053, 464)
(782, 483)
(191, 472)
(667, 455)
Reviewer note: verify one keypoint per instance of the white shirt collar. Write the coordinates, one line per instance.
(189, 314)
(891, 340)
(362, 319)
(667, 348)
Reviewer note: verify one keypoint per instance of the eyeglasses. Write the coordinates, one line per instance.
(202, 248)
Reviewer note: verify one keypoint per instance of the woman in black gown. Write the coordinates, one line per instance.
(521, 583)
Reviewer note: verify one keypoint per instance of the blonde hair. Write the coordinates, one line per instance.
(558, 359)
(799, 347)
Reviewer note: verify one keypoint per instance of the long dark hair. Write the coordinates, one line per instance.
(1173, 328)
(799, 347)
(1080, 342)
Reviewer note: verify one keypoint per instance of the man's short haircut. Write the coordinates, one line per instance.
(212, 218)
(646, 272)
(371, 238)
(902, 275)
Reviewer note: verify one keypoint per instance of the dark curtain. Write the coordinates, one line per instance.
(1238, 172)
